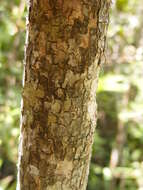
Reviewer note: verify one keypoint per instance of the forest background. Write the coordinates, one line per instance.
(117, 158)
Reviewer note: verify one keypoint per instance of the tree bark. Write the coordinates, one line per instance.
(64, 47)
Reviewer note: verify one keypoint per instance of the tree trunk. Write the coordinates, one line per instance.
(64, 47)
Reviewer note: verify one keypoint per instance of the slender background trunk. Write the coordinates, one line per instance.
(65, 45)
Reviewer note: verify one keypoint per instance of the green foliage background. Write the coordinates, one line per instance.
(117, 159)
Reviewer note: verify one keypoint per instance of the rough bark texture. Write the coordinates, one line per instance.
(64, 47)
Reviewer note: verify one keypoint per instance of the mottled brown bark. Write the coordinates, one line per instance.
(65, 44)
